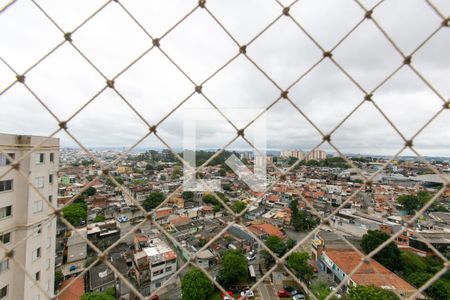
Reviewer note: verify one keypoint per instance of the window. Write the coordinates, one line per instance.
(6, 185)
(37, 297)
(5, 211)
(38, 206)
(52, 157)
(4, 265)
(5, 238)
(50, 178)
(37, 230)
(36, 254)
(48, 263)
(50, 198)
(37, 276)
(4, 161)
(168, 269)
(156, 273)
(39, 182)
(39, 158)
(3, 292)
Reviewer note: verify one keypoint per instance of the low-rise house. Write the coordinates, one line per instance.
(140, 193)
(77, 246)
(101, 278)
(74, 291)
(206, 259)
(265, 230)
(341, 262)
(162, 261)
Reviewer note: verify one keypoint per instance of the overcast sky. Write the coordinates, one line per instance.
(153, 86)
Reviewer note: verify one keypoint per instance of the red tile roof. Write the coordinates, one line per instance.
(74, 291)
(371, 273)
(180, 221)
(266, 228)
(163, 212)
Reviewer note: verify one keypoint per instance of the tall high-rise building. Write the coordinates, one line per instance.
(24, 216)
(292, 153)
(317, 155)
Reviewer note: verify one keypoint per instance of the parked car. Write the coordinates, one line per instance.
(250, 258)
(299, 296)
(284, 294)
(228, 296)
(247, 293)
(251, 255)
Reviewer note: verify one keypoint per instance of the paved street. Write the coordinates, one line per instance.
(267, 291)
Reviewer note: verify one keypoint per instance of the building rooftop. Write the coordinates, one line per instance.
(370, 273)
(74, 291)
(159, 251)
(266, 228)
(100, 275)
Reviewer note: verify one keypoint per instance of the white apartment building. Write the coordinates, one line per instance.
(261, 161)
(24, 221)
(317, 155)
(162, 262)
(299, 154)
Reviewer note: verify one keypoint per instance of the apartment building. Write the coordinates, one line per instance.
(155, 262)
(24, 221)
(316, 155)
(292, 153)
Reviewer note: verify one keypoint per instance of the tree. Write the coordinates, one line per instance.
(97, 296)
(409, 202)
(298, 262)
(438, 290)
(153, 200)
(290, 243)
(234, 268)
(176, 173)
(418, 279)
(277, 246)
(59, 278)
(195, 285)
(222, 172)
(90, 191)
(226, 187)
(99, 218)
(412, 263)
(300, 219)
(75, 213)
(371, 292)
(238, 206)
(320, 288)
(111, 183)
(188, 195)
(202, 242)
(424, 197)
(389, 256)
(210, 199)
